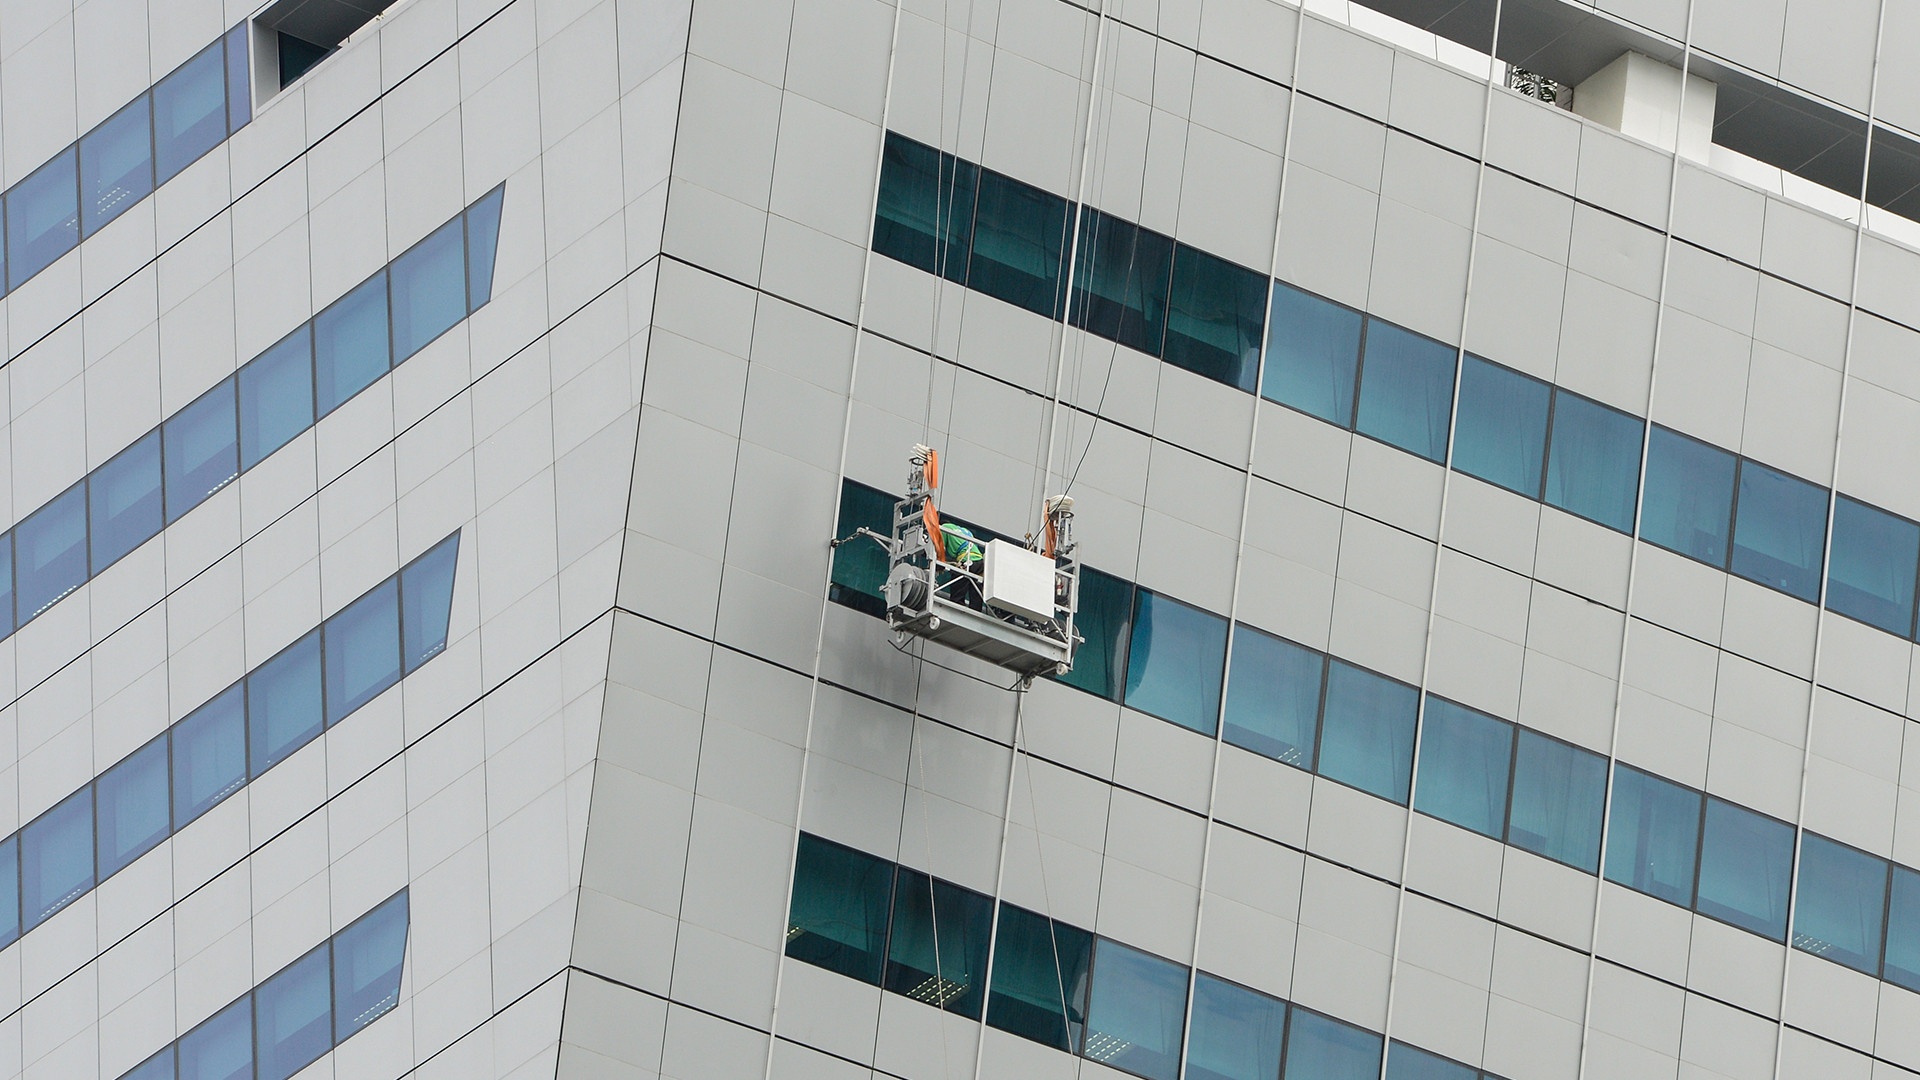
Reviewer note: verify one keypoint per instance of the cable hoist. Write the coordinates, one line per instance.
(1007, 603)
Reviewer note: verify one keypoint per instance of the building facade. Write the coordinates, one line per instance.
(1491, 431)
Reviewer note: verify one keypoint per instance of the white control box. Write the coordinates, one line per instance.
(1019, 580)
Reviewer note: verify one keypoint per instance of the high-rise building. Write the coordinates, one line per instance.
(437, 638)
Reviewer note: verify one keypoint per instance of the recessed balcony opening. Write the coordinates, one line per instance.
(292, 37)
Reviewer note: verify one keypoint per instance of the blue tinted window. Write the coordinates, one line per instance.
(1464, 758)
(221, 1048)
(1689, 504)
(43, 218)
(1136, 1011)
(202, 449)
(1366, 735)
(350, 344)
(426, 600)
(283, 704)
(189, 112)
(209, 755)
(1779, 531)
(132, 810)
(1106, 603)
(1322, 1048)
(1039, 985)
(1121, 281)
(1503, 427)
(1870, 569)
(1213, 326)
(276, 397)
(367, 958)
(1746, 868)
(924, 217)
(483, 240)
(1236, 1034)
(1313, 350)
(1406, 390)
(838, 916)
(1412, 1063)
(6, 584)
(1653, 836)
(1903, 930)
(937, 950)
(1273, 697)
(293, 1017)
(116, 165)
(429, 290)
(1559, 796)
(50, 551)
(1841, 905)
(1593, 466)
(363, 650)
(239, 79)
(125, 494)
(9, 890)
(1175, 660)
(1019, 244)
(56, 857)
(157, 1067)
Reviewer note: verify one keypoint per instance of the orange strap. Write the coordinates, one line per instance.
(932, 471)
(932, 519)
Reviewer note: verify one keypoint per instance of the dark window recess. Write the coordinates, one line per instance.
(305, 32)
(297, 57)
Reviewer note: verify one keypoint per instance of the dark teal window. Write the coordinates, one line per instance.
(209, 755)
(221, 1048)
(1237, 1033)
(1746, 869)
(367, 958)
(1689, 504)
(1559, 799)
(859, 578)
(1136, 1012)
(1040, 970)
(925, 213)
(1653, 835)
(126, 504)
(132, 808)
(1870, 571)
(293, 1017)
(1313, 355)
(362, 649)
(1019, 244)
(56, 858)
(937, 952)
(116, 164)
(350, 344)
(1174, 662)
(201, 447)
(50, 551)
(190, 111)
(1903, 930)
(1464, 761)
(426, 602)
(1213, 326)
(838, 917)
(1366, 734)
(43, 217)
(1273, 697)
(284, 704)
(1593, 465)
(1779, 531)
(1842, 904)
(1406, 390)
(1120, 284)
(1322, 1048)
(1503, 427)
(276, 397)
(1106, 603)
(429, 289)
(483, 243)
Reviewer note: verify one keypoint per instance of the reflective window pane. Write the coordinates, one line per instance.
(201, 449)
(1870, 569)
(1322, 1048)
(1464, 758)
(1174, 662)
(1213, 324)
(1841, 906)
(925, 212)
(1019, 244)
(1366, 734)
(56, 858)
(133, 813)
(1653, 836)
(350, 344)
(209, 755)
(1273, 697)
(1412, 1063)
(6, 584)
(859, 578)
(1689, 503)
(1236, 1032)
(1137, 1008)
(283, 704)
(157, 1067)
(1039, 986)
(43, 218)
(426, 602)
(1120, 282)
(838, 917)
(50, 552)
(429, 289)
(116, 165)
(1503, 427)
(276, 397)
(947, 969)
(1593, 465)
(126, 502)
(363, 650)
(9, 890)
(367, 958)
(483, 241)
(1406, 390)
(1559, 797)
(293, 1017)
(1313, 353)
(239, 78)
(189, 112)
(1106, 604)
(1779, 531)
(1746, 868)
(221, 1048)
(1903, 930)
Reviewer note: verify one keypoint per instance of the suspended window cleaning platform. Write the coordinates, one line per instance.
(1009, 604)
